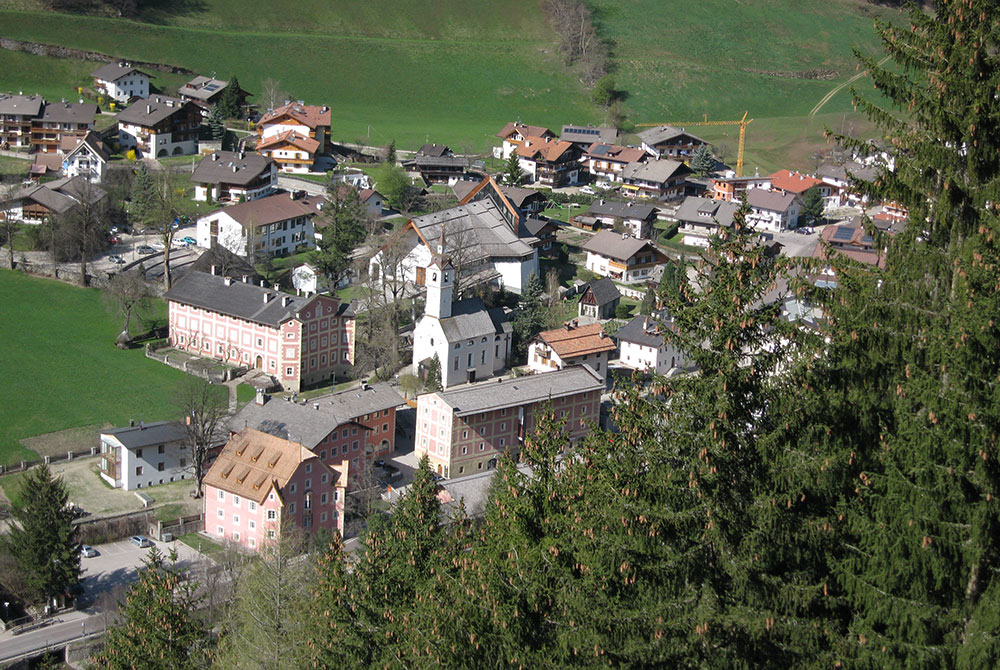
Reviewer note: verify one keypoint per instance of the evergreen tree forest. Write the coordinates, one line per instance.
(819, 496)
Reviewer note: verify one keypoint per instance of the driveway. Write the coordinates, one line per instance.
(116, 565)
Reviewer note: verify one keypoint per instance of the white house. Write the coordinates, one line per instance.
(121, 82)
(481, 240)
(622, 257)
(160, 126)
(642, 346)
(572, 344)
(232, 176)
(305, 279)
(514, 134)
(470, 341)
(278, 225)
(700, 218)
(85, 157)
(773, 211)
(138, 456)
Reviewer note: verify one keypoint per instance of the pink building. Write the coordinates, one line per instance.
(297, 340)
(260, 481)
(350, 427)
(464, 429)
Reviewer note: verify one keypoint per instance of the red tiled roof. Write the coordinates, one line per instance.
(793, 182)
(571, 341)
(550, 150)
(309, 115)
(307, 144)
(525, 131)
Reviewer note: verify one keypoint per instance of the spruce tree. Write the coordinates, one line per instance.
(343, 229)
(216, 123)
(512, 172)
(433, 381)
(230, 103)
(157, 628)
(145, 201)
(531, 315)
(812, 206)
(41, 537)
(702, 160)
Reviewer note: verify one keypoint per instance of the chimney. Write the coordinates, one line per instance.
(246, 279)
(228, 281)
(215, 156)
(285, 300)
(131, 423)
(276, 287)
(149, 109)
(602, 334)
(262, 283)
(645, 322)
(261, 398)
(267, 298)
(213, 269)
(235, 168)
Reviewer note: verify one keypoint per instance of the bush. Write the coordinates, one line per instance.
(623, 311)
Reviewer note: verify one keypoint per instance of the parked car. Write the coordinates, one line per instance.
(188, 240)
(116, 259)
(157, 246)
(86, 551)
(114, 239)
(588, 190)
(386, 465)
(140, 541)
(804, 230)
(144, 249)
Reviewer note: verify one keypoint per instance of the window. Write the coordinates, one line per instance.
(323, 479)
(220, 531)
(322, 455)
(288, 372)
(322, 517)
(479, 465)
(309, 468)
(253, 543)
(323, 498)
(291, 489)
(470, 360)
(236, 519)
(270, 534)
(159, 467)
(252, 525)
(236, 501)
(482, 446)
(138, 470)
(354, 431)
(221, 514)
(253, 506)
(159, 449)
(482, 357)
(465, 450)
(222, 495)
(272, 515)
(354, 445)
(343, 450)
(291, 508)
(461, 469)
(456, 362)
(465, 434)
(138, 453)
(309, 484)
(343, 433)
(270, 497)
(308, 503)
(502, 441)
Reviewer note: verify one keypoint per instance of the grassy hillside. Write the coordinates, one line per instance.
(454, 72)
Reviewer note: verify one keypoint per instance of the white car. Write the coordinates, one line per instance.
(588, 190)
(86, 551)
(158, 246)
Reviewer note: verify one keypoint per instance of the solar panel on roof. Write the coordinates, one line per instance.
(843, 234)
(211, 87)
(867, 239)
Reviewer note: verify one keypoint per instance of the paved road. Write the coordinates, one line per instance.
(113, 568)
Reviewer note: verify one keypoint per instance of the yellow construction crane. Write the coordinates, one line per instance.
(742, 123)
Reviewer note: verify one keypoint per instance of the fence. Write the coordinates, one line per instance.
(115, 527)
(70, 455)
(179, 526)
(212, 370)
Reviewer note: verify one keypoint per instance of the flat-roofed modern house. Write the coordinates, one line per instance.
(297, 340)
(234, 176)
(160, 126)
(260, 483)
(465, 429)
(16, 114)
(59, 120)
(622, 257)
(121, 82)
(279, 225)
(670, 142)
(572, 344)
(144, 454)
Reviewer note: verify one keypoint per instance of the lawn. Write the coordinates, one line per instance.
(60, 368)
(14, 166)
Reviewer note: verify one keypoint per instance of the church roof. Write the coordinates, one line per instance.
(471, 319)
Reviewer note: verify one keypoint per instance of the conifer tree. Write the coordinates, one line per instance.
(531, 315)
(343, 229)
(812, 206)
(216, 123)
(512, 172)
(145, 201)
(41, 537)
(157, 626)
(433, 382)
(702, 161)
(230, 103)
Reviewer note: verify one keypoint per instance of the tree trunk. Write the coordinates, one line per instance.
(83, 269)
(166, 266)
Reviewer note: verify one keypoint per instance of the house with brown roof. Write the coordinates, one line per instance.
(515, 133)
(59, 120)
(662, 179)
(670, 142)
(40, 202)
(160, 126)
(121, 81)
(84, 156)
(607, 161)
(434, 150)
(260, 483)
(599, 299)
(16, 114)
(549, 162)
(622, 257)
(796, 183)
(277, 225)
(773, 211)
(294, 135)
(572, 344)
(234, 176)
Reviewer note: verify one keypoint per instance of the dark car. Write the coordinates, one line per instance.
(145, 249)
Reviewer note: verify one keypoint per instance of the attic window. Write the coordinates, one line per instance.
(225, 473)
(257, 455)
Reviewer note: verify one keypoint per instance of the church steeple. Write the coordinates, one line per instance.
(440, 283)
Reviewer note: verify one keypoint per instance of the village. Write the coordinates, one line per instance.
(482, 290)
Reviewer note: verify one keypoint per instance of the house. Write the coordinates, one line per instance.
(773, 211)
(470, 341)
(143, 455)
(297, 340)
(463, 431)
(16, 115)
(305, 279)
(529, 201)
(371, 200)
(731, 188)
(850, 240)
(661, 179)
(599, 299)
(39, 202)
(796, 183)
(84, 156)
(160, 126)
(634, 218)
(225, 263)
(261, 483)
(483, 240)
(515, 133)
(840, 176)
(121, 82)
(435, 150)
(234, 176)
(294, 135)
(347, 428)
(47, 164)
(607, 161)
(60, 120)
(700, 218)
(670, 142)
(642, 346)
(549, 162)
(439, 169)
(585, 136)
(206, 91)
(278, 225)
(621, 256)
(544, 232)
(572, 344)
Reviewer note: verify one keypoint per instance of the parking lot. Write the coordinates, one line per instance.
(117, 563)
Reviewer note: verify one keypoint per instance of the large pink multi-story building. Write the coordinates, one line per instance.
(259, 482)
(297, 340)
(464, 429)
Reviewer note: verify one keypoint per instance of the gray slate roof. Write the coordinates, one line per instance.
(470, 319)
(643, 330)
(489, 235)
(657, 171)
(231, 167)
(150, 111)
(654, 136)
(771, 200)
(25, 105)
(115, 71)
(202, 88)
(518, 195)
(491, 395)
(239, 299)
(706, 210)
(62, 194)
(434, 150)
(604, 291)
(622, 210)
(70, 112)
(440, 161)
(534, 227)
(615, 245)
(307, 425)
(588, 134)
(143, 435)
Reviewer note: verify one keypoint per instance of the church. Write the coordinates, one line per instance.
(471, 341)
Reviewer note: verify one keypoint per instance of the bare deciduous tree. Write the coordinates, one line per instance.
(128, 295)
(271, 94)
(8, 224)
(83, 228)
(205, 412)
